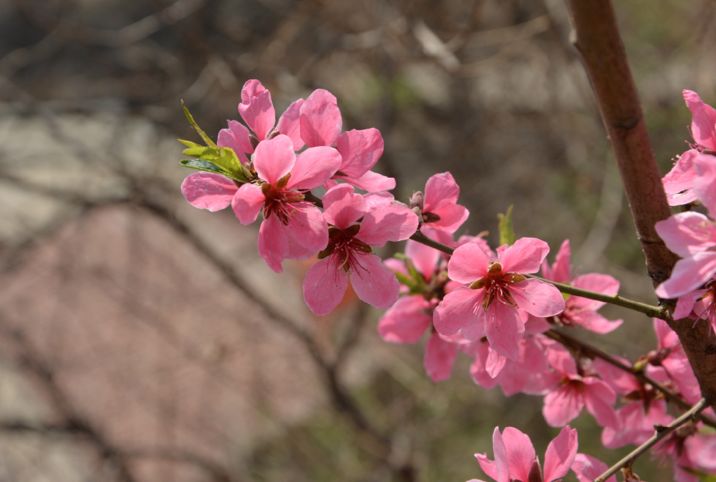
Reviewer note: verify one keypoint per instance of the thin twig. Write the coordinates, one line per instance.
(659, 433)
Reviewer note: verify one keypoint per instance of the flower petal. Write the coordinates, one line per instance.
(560, 271)
(588, 468)
(468, 263)
(247, 203)
(680, 179)
(406, 321)
(289, 123)
(457, 311)
(599, 399)
(274, 158)
(688, 274)
(562, 405)
(537, 298)
(504, 328)
(273, 243)
(236, 136)
(360, 150)
(373, 282)
(313, 167)
(560, 454)
(687, 233)
(204, 190)
(320, 119)
(520, 453)
(524, 256)
(424, 258)
(439, 358)
(371, 181)
(307, 228)
(601, 283)
(342, 207)
(324, 286)
(256, 108)
(392, 222)
(705, 181)
(703, 120)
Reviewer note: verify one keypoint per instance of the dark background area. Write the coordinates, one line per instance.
(143, 340)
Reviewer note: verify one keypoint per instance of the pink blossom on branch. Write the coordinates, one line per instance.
(703, 121)
(440, 208)
(357, 224)
(515, 458)
(498, 297)
(580, 311)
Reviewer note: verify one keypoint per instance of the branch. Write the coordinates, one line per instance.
(659, 434)
(596, 37)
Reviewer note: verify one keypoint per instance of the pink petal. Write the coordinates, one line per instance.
(342, 207)
(599, 399)
(468, 263)
(209, 191)
(705, 181)
(500, 451)
(680, 179)
(424, 258)
(478, 369)
(320, 119)
(504, 327)
(274, 158)
(247, 203)
(324, 286)
(524, 256)
(665, 336)
(601, 283)
(256, 108)
(560, 271)
(703, 120)
(406, 321)
(685, 304)
(451, 215)
(360, 150)
(560, 454)
(490, 468)
(688, 274)
(373, 282)
(619, 380)
(588, 468)
(289, 124)
(395, 222)
(307, 228)
(237, 138)
(593, 321)
(561, 360)
(440, 188)
(520, 453)
(273, 243)
(371, 182)
(537, 298)
(439, 358)
(562, 405)
(457, 311)
(687, 233)
(313, 167)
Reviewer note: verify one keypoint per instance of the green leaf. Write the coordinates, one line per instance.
(209, 142)
(206, 166)
(507, 230)
(405, 280)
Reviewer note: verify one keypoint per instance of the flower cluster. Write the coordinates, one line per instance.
(506, 308)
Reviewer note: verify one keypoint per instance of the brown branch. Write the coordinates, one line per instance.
(596, 37)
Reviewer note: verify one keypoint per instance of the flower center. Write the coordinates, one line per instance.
(343, 244)
(496, 284)
(278, 201)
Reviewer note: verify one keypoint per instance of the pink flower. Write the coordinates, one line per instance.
(692, 236)
(498, 297)
(679, 181)
(348, 255)
(582, 311)
(515, 458)
(292, 227)
(440, 208)
(703, 120)
(321, 121)
(575, 391)
(671, 357)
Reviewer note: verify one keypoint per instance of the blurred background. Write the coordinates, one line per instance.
(143, 340)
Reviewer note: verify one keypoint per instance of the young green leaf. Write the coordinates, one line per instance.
(199, 130)
(507, 230)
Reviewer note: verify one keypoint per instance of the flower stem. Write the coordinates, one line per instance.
(660, 433)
